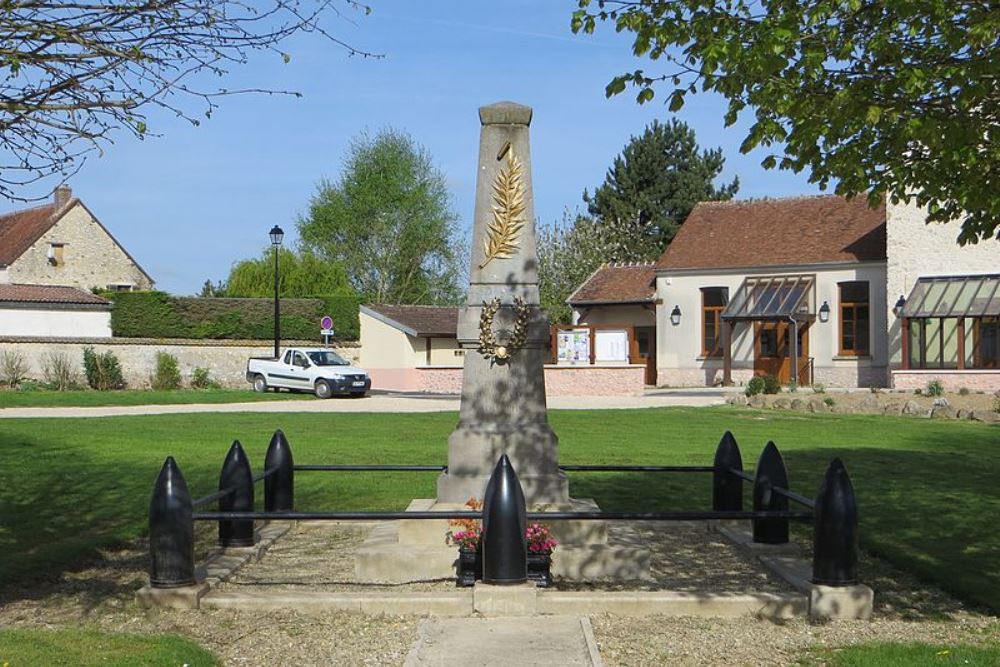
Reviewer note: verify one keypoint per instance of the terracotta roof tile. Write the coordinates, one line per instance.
(427, 321)
(18, 230)
(618, 283)
(778, 232)
(48, 294)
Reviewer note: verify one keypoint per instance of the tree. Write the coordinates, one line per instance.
(896, 98)
(210, 289)
(300, 275)
(76, 72)
(388, 221)
(570, 251)
(658, 178)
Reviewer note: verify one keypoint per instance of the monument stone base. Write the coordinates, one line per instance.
(417, 550)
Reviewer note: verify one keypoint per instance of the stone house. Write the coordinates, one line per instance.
(63, 243)
(51, 257)
(816, 290)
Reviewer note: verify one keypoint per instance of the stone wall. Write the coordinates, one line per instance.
(952, 380)
(226, 360)
(91, 257)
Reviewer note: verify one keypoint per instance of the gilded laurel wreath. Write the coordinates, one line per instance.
(504, 229)
(489, 346)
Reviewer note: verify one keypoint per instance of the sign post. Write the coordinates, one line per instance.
(326, 329)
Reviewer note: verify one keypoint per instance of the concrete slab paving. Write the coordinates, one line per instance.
(488, 642)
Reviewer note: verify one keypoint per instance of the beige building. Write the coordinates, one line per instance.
(63, 243)
(815, 290)
(405, 348)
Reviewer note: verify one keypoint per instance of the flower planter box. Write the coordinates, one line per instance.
(470, 567)
(540, 568)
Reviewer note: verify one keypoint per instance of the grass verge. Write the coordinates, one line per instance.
(926, 488)
(87, 398)
(887, 654)
(83, 648)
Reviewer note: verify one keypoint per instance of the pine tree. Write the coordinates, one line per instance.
(658, 178)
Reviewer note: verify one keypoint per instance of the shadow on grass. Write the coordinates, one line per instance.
(930, 514)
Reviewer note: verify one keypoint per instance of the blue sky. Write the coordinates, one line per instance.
(191, 202)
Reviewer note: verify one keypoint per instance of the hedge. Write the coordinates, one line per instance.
(159, 315)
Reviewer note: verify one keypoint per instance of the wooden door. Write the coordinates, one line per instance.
(645, 351)
(773, 351)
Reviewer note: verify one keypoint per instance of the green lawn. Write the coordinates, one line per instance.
(928, 490)
(884, 654)
(88, 398)
(82, 648)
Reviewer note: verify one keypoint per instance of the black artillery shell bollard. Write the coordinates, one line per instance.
(236, 474)
(727, 488)
(835, 529)
(279, 488)
(770, 473)
(171, 530)
(505, 547)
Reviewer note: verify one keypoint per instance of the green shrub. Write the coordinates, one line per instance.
(829, 401)
(793, 387)
(159, 315)
(103, 371)
(996, 405)
(935, 388)
(963, 391)
(59, 371)
(13, 368)
(918, 391)
(201, 378)
(755, 386)
(167, 375)
(771, 384)
(819, 388)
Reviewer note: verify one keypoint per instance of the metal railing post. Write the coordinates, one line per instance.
(171, 530)
(835, 529)
(770, 473)
(727, 488)
(505, 547)
(279, 488)
(237, 475)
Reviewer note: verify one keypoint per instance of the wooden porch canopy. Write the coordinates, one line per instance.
(949, 297)
(787, 298)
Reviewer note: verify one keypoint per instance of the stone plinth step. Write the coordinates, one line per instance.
(674, 603)
(428, 531)
(384, 559)
(450, 603)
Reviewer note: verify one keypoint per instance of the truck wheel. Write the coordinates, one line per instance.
(259, 384)
(323, 389)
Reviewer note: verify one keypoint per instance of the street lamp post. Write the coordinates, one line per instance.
(276, 236)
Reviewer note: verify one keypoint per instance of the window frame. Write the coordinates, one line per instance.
(717, 351)
(853, 306)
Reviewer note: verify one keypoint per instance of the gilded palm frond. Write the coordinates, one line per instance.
(504, 230)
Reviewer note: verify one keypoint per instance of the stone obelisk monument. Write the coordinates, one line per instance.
(506, 341)
(502, 330)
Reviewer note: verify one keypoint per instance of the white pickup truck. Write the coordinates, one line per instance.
(321, 371)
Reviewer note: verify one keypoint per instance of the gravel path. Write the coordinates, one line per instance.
(100, 594)
(379, 403)
(319, 556)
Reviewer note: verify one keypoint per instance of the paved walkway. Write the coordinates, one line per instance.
(379, 402)
(536, 640)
